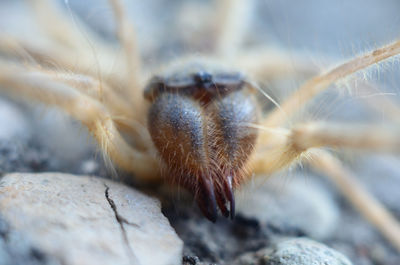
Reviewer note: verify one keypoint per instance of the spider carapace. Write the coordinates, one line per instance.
(199, 122)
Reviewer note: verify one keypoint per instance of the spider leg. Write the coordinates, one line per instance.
(65, 31)
(276, 151)
(75, 36)
(353, 190)
(86, 43)
(381, 137)
(127, 37)
(379, 102)
(273, 63)
(19, 81)
(281, 151)
(69, 44)
(318, 84)
(56, 56)
(120, 109)
(232, 19)
(94, 88)
(280, 147)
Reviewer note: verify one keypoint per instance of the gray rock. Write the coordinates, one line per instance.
(13, 123)
(381, 175)
(300, 203)
(66, 138)
(16, 249)
(297, 251)
(86, 220)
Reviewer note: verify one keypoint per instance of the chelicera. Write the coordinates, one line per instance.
(198, 122)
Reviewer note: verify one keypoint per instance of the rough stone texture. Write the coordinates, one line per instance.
(297, 251)
(84, 220)
(216, 243)
(300, 203)
(16, 249)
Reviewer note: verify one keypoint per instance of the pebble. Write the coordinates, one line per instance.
(380, 174)
(13, 122)
(17, 249)
(65, 138)
(297, 204)
(295, 251)
(86, 220)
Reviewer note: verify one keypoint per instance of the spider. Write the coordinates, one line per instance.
(197, 122)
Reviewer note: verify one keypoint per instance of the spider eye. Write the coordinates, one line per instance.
(203, 79)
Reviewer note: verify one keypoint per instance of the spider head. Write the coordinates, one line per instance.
(199, 122)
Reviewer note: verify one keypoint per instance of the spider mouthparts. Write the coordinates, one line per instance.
(230, 196)
(208, 198)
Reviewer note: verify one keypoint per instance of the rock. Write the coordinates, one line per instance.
(16, 249)
(65, 138)
(380, 173)
(296, 251)
(87, 220)
(13, 123)
(16, 150)
(17, 156)
(299, 204)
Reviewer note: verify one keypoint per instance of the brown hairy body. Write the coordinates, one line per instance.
(199, 124)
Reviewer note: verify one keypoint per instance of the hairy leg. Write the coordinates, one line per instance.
(94, 88)
(280, 147)
(379, 102)
(127, 39)
(71, 45)
(18, 80)
(122, 112)
(353, 190)
(313, 87)
(53, 55)
(272, 63)
(232, 19)
(66, 31)
(376, 137)
(282, 152)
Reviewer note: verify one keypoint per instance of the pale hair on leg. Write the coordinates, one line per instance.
(19, 81)
(353, 190)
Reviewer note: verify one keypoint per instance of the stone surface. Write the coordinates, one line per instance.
(21, 156)
(14, 122)
(51, 125)
(380, 173)
(297, 251)
(300, 204)
(86, 220)
(16, 249)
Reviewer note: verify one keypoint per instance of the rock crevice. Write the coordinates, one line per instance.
(121, 221)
